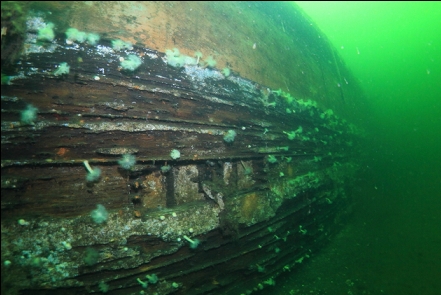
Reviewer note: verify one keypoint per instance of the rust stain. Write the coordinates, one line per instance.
(62, 151)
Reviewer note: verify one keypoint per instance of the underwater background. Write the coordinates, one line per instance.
(392, 244)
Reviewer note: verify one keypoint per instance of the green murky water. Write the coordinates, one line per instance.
(392, 245)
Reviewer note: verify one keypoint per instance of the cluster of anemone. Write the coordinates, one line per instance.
(177, 59)
(118, 45)
(131, 63)
(74, 35)
(127, 161)
(63, 69)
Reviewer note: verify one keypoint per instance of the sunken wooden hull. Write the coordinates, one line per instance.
(259, 205)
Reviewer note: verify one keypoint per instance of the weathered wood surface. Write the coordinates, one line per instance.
(255, 218)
